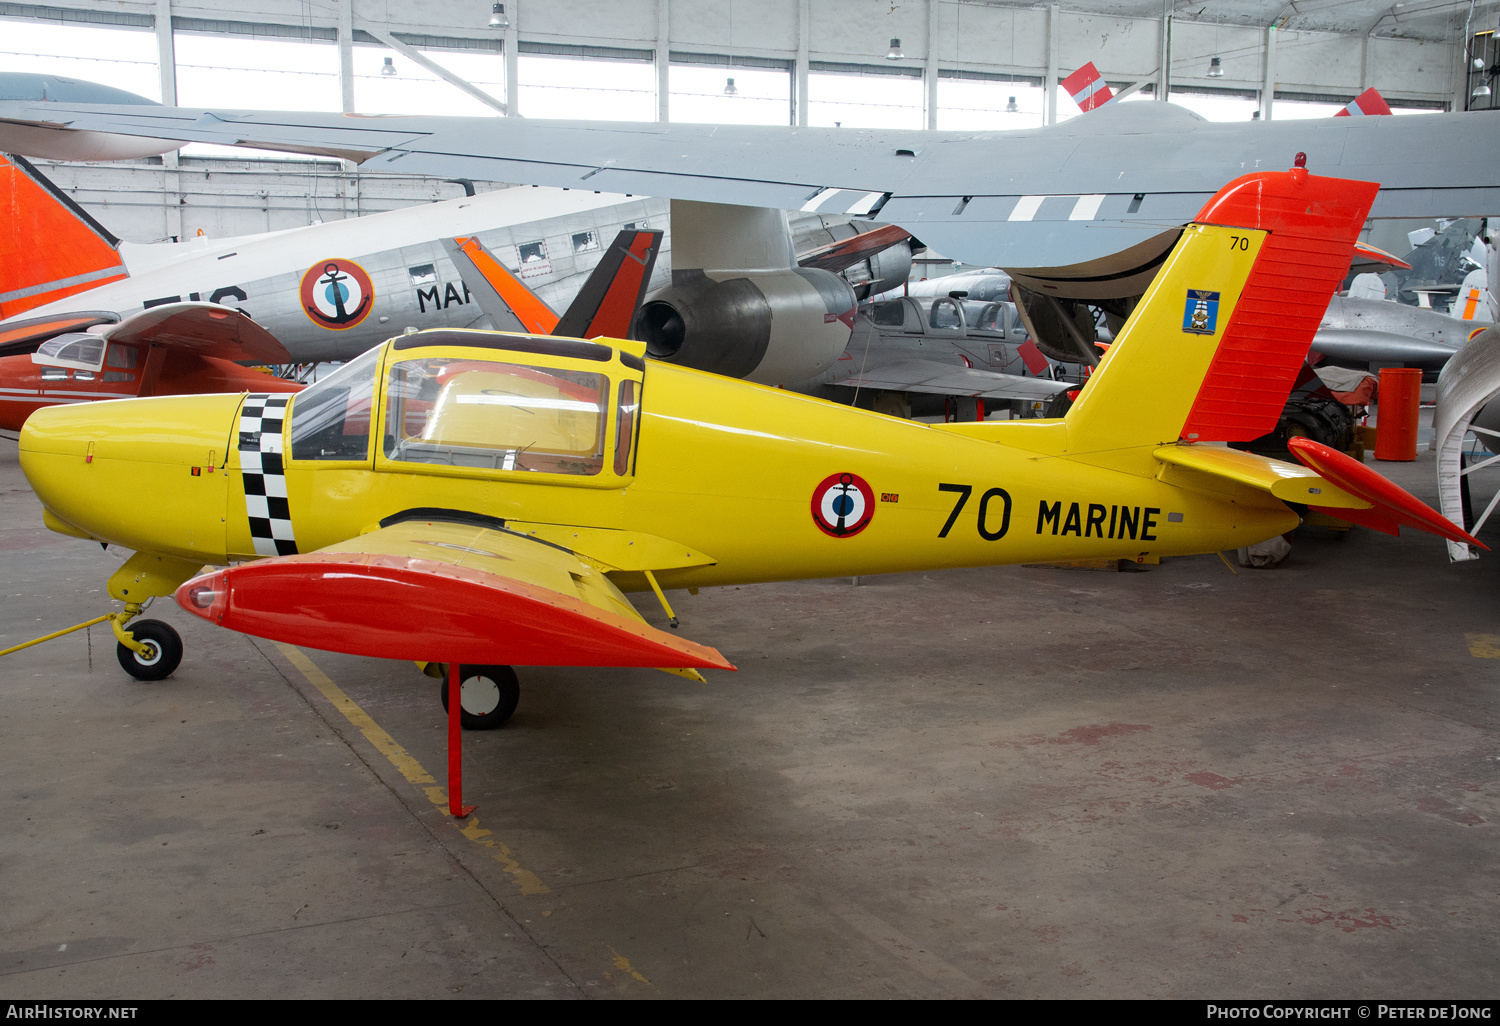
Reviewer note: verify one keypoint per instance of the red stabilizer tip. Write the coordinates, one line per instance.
(1394, 505)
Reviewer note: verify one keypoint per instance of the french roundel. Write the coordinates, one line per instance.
(336, 294)
(842, 505)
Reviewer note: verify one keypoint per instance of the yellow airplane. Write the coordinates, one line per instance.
(481, 500)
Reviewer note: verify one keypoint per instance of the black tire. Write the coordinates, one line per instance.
(488, 696)
(1317, 417)
(166, 645)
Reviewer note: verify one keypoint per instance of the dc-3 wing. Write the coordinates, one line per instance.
(435, 590)
(942, 379)
(1124, 172)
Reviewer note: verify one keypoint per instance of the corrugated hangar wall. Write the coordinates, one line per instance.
(1413, 53)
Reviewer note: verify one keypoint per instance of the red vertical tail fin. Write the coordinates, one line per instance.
(607, 303)
(49, 246)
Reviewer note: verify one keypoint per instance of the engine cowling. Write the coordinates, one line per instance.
(775, 327)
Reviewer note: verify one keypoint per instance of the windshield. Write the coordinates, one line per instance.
(331, 419)
(466, 412)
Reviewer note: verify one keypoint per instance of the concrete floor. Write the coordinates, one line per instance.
(1012, 782)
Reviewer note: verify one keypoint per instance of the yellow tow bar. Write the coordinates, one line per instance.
(116, 623)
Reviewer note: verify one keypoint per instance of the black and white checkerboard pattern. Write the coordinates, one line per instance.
(265, 478)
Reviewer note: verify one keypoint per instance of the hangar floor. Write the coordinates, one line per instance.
(1005, 782)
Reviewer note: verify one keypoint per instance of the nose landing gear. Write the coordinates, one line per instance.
(156, 653)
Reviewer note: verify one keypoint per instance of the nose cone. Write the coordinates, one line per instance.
(147, 474)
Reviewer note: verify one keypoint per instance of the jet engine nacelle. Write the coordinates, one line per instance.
(774, 326)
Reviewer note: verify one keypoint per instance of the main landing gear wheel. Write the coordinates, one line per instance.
(164, 651)
(487, 696)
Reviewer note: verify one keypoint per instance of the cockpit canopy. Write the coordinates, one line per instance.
(477, 401)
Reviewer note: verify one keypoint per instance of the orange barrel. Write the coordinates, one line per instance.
(1396, 416)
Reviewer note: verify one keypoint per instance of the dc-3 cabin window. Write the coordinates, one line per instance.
(466, 412)
(331, 419)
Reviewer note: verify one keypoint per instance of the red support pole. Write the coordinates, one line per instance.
(456, 806)
(978, 409)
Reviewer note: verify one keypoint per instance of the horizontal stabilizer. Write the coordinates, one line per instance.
(435, 591)
(1286, 481)
(1394, 507)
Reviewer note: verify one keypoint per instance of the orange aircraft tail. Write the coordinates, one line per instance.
(49, 246)
(605, 306)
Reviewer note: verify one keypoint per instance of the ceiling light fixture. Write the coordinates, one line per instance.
(1481, 91)
(388, 69)
(498, 20)
(729, 89)
(1011, 108)
(1215, 68)
(894, 53)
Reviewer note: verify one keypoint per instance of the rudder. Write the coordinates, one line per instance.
(1212, 350)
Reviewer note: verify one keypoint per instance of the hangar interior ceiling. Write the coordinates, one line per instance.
(962, 64)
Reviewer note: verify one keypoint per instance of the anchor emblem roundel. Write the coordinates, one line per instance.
(842, 505)
(336, 294)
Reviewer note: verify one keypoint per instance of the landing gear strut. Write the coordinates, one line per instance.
(488, 696)
(158, 651)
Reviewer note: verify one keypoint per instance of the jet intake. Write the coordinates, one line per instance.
(774, 327)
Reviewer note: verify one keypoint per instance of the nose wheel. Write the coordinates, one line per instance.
(163, 651)
(487, 695)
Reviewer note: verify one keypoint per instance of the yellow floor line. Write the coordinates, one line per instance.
(528, 882)
(1483, 646)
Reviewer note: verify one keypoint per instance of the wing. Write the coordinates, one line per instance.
(443, 591)
(205, 329)
(942, 379)
(1035, 198)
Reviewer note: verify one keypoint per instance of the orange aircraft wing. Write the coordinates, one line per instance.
(446, 587)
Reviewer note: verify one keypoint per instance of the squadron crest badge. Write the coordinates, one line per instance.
(842, 505)
(336, 294)
(1200, 314)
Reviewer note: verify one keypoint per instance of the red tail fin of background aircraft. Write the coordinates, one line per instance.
(1368, 102)
(49, 247)
(607, 303)
(1087, 87)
